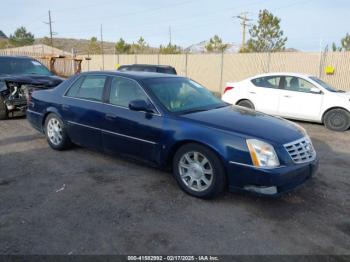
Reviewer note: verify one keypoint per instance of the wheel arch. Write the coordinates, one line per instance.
(49, 110)
(245, 99)
(175, 147)
(331, 108)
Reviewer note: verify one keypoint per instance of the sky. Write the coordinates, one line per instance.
(308, 24)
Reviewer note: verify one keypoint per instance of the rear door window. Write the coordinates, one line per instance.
(268, 82)
(89, 87)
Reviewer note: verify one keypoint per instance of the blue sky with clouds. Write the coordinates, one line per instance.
(306, 23)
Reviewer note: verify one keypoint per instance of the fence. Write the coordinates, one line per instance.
(214, 70)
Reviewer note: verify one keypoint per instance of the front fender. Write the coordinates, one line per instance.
(228, 146)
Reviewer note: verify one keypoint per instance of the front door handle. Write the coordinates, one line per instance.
(287, 96)
(252, 92)
(110, 116)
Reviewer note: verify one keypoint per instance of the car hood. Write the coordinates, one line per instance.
(37, 80)
(248, 123)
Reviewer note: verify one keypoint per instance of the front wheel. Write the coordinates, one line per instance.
(337, 120)
(198, 171)
(55, 133)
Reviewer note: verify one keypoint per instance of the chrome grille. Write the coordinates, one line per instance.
(301, 151)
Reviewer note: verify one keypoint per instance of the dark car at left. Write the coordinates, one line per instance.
(19, 76)
(174, 122)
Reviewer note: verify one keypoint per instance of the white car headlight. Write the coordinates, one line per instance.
(263, 154)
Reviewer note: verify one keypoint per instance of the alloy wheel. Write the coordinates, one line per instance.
(196, 171)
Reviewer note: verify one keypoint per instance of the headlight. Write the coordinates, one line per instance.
(263, 154)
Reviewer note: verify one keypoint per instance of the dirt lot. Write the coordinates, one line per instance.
(84, 202)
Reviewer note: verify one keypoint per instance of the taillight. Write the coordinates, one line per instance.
(228, 88)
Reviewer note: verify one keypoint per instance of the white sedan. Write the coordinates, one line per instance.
(293, 96)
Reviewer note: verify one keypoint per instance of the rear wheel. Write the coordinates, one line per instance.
(3, 109)
(198, 171)
(246, 103)
(56, 133)
(337, 120)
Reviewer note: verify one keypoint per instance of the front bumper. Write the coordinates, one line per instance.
(271, 182)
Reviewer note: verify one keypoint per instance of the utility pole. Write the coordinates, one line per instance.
(50, 25)
(102, 51)
(244, 22)
(170, 34)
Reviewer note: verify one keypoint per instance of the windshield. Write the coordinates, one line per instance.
(12, 66)
(182, 95)
(323, 84)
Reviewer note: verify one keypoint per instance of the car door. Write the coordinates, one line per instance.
(126, 131)
(82, 109)
(298, 99)
(264, 93)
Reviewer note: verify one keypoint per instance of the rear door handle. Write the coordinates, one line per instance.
(252, 92)
(287, 96)
(65, 107)
(110, 116)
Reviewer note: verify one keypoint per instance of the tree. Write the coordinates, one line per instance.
(335, 48)
(215, 45)
(93, 46)
(266, 35)
(140, 46)
(21, 37)
(345, 43)
(121, 47)
(169, 49)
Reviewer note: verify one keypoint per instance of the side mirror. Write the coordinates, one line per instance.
(141, 105)
(315, 90)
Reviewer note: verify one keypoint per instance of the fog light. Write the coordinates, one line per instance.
(262, 190)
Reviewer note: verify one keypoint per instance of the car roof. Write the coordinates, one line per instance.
(281, 73)
(17, 57)
(132, 74)
(147, 65)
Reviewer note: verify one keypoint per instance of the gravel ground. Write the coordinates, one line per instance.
(85, 202)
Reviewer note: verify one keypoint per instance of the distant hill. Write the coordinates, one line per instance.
(2, 35)
(80, 45)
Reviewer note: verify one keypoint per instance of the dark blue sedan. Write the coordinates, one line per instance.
(172, 121)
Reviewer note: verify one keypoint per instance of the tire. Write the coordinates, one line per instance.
(337, 120)
(246, 103)
(192, 172)
(3, 109)
(56, 134)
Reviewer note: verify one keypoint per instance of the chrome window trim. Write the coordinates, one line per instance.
(113, 133)
(111, 75)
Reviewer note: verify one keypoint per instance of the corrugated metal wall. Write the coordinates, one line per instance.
(214, 70)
